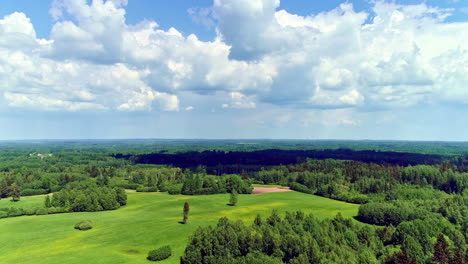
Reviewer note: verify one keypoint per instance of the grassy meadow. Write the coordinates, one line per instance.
(148, 221)
(24, 202)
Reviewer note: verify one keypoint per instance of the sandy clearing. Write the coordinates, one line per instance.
(258, 190)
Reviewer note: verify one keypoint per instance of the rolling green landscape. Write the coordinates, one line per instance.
(148, 220)
(88, 202)
(233, 132)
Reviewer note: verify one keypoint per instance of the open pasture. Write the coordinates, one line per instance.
(150, 220)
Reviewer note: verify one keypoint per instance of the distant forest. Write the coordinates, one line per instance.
(219, 162)
(171, 146)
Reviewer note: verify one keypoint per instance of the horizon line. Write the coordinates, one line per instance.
(228, 139)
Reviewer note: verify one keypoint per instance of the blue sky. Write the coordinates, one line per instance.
(234, 69)
(175, 14)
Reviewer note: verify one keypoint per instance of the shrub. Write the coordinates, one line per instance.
(57, 210)
(121, 196)
(152, 189)
(42, 211)
(351, 197)
(30, 192)
(174, 189)
(29, 211)
(130, 186)
(55, 188)
(162, 187)
(15, 212)
(203, 191)
(147, 189)
(84, 225)
(161, 253)
(3, 214)
(300, 188)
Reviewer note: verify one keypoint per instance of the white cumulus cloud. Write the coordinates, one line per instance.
(392, 56)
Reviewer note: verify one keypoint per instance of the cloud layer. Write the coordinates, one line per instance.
(392, 57)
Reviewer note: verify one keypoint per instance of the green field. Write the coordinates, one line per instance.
(24, 202)
(148, 221)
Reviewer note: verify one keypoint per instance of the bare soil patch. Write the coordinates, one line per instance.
(258, 190)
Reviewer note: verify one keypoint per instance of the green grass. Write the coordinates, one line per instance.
(24, 202)
(150, 220)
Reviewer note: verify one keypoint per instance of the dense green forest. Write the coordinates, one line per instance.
(413, 196)
(299, 238)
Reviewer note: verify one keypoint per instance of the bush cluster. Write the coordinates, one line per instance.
(13, 211)
(84, 225)
(30, 192)
(172, 188)
(85, 197)
(161, 253)
(130, 186)
(147, 189)
(42, 211)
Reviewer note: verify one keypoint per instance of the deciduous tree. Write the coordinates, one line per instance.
(233, 198)
(186, 212)
(15, 192)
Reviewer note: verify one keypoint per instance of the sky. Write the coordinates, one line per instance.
(223, 69)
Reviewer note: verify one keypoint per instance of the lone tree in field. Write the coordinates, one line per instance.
(186, 212)
(233, 198)
(15, 193)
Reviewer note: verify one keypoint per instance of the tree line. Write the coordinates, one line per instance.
(87, 197)
(220, 162)
(300, 238)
